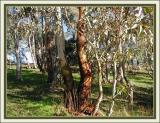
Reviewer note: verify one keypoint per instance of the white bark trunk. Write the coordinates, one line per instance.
(120, 45)
(100, 86)
(30, 48)
(100, 79)
(114, 89)
(60, 40)
(34, 52)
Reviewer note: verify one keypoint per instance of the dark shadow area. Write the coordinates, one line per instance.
(31, 88)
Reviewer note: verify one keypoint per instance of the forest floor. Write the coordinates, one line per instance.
(32, 98)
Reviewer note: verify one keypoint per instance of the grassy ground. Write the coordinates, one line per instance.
(32, 98)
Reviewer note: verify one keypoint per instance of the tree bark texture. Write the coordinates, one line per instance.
(70, 98)
(50, 55)
(33, 51)
(85, 70)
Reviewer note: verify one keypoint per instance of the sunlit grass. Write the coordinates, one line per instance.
(141, 80)
(32, 98)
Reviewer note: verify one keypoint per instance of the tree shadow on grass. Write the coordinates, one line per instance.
(141, 78)
(29, 77)
(142, 95)
(39, 93)
(32, 88)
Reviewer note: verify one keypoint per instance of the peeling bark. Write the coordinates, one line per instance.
(85, 70)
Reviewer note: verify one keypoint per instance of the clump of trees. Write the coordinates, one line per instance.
(104, 39)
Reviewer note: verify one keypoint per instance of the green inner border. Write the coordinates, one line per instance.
(89, 117)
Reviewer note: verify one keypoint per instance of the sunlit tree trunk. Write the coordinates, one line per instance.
(85, 70)
(114, 89)
(33, 52)
(120, 46)
(121, 64)
(100, 97)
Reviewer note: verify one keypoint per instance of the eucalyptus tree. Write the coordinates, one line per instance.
(105, 36)
(96, 47)
(70, 96)
(85, 70)
(113, 33)
(16, 33)
(43, 39)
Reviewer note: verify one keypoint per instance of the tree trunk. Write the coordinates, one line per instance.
(129, 87)
(122, 71)
(120, 46)
(18, 63)
(28, 64)
(130, 91)
(50, 55)
(38, 50)
(100, 97)
(30, 49)
(85, 70)
(114, 89)
(107, 74)
(52, 67)
(70, 98)
(33, 52)
(18, 66)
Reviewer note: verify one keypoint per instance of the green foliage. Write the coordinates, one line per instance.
(147, 10)
(121, 90)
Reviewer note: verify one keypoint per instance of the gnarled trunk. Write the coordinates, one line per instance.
(70, 98)
(85, 70)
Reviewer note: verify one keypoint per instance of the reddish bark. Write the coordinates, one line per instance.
(85, 70)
